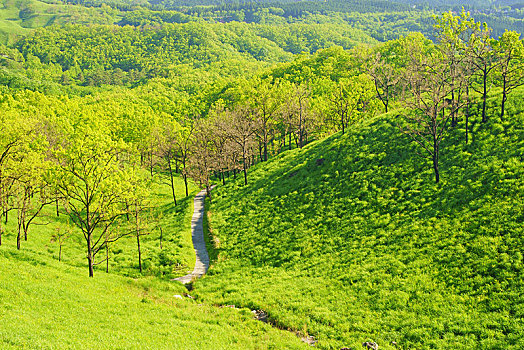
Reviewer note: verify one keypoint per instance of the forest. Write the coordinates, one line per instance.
(110, 127)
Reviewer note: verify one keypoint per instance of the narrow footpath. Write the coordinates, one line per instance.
(199, 243)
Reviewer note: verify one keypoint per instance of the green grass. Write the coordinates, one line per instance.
(48, 305)
(18, 18)
(366, 246)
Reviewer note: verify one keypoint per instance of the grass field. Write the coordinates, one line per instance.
(19, 17)
(351, 240)
(47, 304)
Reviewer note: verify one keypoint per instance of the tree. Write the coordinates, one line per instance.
(510, 52)
(240, 127)
(221, 148)
(139, 204)
(430, 82)
(200, 159)
(15, 133)
(94, 185)
(168, 151)
(183, 142)
(31, 189)
(483, 60)
(61, 237)
(266, 100)
(298, 114)
(350, 99)
(384, 64)
(453, 34)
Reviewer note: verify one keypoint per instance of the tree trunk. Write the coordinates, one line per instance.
(170, 168)
(139, 252)
(467, 114)
(161, 236)
(184, 174)
(185, 184)
(137, 228)
(484, 97)
(19, 236)
(90, 256)
(60, 252)
(435, 160)
(208, 192)
(107, 250)
(260, 147)
(453, 111)
(245, 167)
(265, 148)
(504, 99)
(151, 167)
(107, 258)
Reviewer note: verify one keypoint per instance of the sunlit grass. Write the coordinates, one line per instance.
(363, 245)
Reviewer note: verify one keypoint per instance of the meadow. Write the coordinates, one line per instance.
(345, 235)
(47, 304)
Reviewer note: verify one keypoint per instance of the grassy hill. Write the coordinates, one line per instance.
(19, 17)
(350, 239)
(47, 304)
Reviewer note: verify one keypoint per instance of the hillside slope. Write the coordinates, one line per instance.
(48, 305)
(350, 239)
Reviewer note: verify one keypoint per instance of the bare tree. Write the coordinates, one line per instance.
(266, 102)
(138, 208)
(483, 61)
(61, 237)
(200, 162)
(385, 77)
(167, 151)
(430, 82)
(510, 52)
(240, 127)
(9, 148)
(298, 114)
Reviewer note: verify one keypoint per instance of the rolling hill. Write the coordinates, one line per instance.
(350, 239)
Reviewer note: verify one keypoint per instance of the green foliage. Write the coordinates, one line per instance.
(76, 130)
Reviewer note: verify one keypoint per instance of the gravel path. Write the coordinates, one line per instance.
(197, 231)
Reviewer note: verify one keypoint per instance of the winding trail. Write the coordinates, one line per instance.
(199, 243)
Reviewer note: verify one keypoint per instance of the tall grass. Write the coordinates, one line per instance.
(351, 240)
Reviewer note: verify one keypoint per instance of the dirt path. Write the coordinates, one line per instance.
(197, 232)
